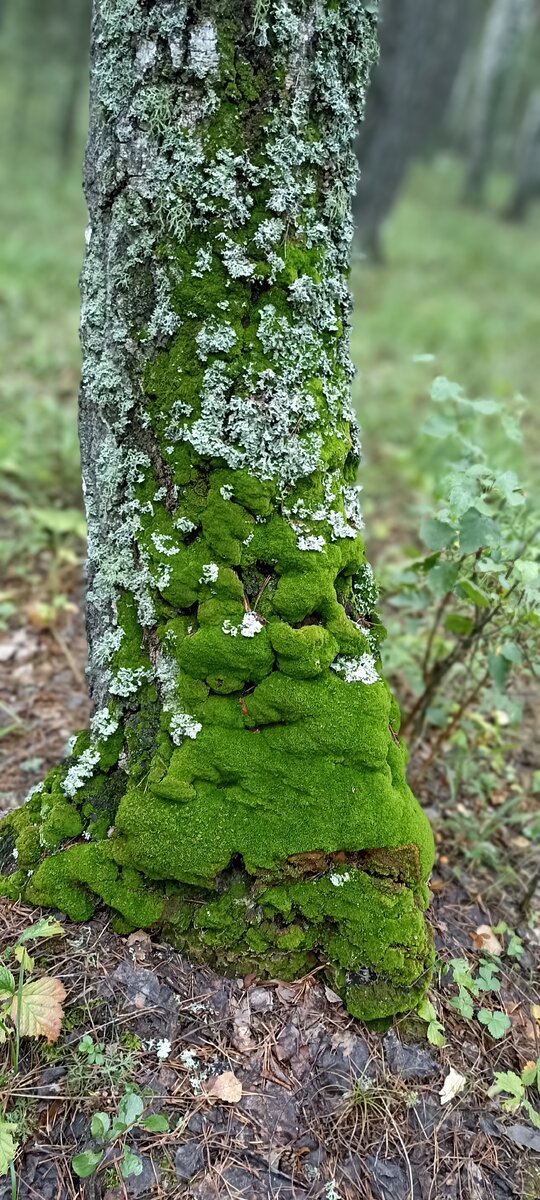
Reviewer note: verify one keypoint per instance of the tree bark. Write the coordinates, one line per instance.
(242, 786)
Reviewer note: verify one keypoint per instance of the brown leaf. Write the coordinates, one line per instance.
(40, 1012)
(486, 939)
(224, 1087)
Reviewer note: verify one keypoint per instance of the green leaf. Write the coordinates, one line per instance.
(131, 1164)
(130, 1108)
(528, 1075)
(507, 1081)
(476, 531)
(8, 1148)
(436, 534)
(533, 1115)
(486, 407)
(512, 652)
(7, 982)
(471, 591)
(442, 577)
(59, 520)
(46, 927)
(456, 623)
(527, 569)
(497, 1023)
(499, 669)
(512, 428)
(437, 426)
(435, 1033)
(85, 1164)
(156, 1123)
(508, 484)
(100, 1125)
(463, 1004)
(445, 389)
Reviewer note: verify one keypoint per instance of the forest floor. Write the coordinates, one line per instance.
(318, 1106)
(271, 1091)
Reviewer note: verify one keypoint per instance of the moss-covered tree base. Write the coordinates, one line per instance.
(242, 786)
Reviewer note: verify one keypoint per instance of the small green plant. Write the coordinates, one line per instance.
(479, 583)
(470, 989)
(93, 1052)
(435, 1028)
(514, 1087)
(108, 1134)
(514, 944)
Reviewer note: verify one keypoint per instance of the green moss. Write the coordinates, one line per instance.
(62, 821)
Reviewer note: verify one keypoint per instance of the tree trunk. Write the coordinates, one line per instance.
(407, 101)
(78, 47)
(242, 786)
(507, 25)
(527, 178)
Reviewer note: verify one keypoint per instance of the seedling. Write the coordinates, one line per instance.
(435, 1027)
(94, 1052)
(470, 989)
(514, 1088)
(108, 1133)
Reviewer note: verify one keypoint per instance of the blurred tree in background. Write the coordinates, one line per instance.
(422, 44)
(452, 75)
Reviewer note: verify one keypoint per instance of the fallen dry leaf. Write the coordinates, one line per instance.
(452, 1086)
(40, 1011)
(331, 996)
(224, 1087)
(485, 939)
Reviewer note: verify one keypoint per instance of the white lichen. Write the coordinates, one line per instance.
(356, 670)
(183, 725)
(210, 572)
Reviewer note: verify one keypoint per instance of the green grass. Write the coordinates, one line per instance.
(459, 284)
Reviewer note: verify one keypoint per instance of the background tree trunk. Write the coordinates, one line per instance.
(422, 43)
(507, 26)
(527, 178)
(242, 784)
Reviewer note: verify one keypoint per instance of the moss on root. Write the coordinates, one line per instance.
(242, 786)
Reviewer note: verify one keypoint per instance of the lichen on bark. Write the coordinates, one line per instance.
(242, 785)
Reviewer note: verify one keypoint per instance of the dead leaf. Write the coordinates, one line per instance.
(452, 1086)
(485, 939)
(138, 935)
(40, 1011)
(331, 996)
(139, 943)
(224, 1087)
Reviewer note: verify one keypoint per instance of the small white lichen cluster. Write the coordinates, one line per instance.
(251, 625)
(183, 725)
(310, 542)
(81, 771)
(103, 723)
(339, 878)
(210, 572)
(356, 670)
